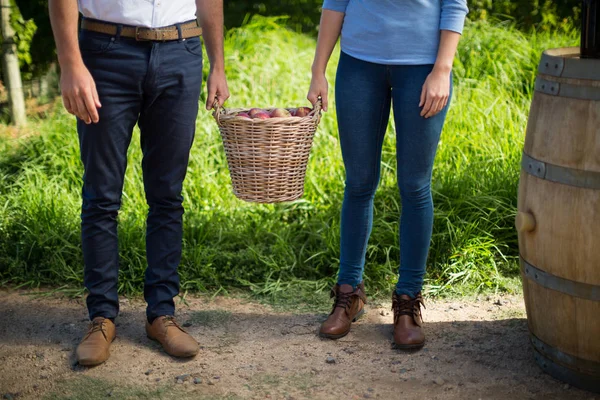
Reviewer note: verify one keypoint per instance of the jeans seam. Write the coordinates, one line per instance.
(380, 135)
(379, 139)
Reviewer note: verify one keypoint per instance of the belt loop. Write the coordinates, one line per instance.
(180, 33)
(119, 30)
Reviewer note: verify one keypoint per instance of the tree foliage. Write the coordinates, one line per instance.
(24, 31)
(40, 41)
(538, 14)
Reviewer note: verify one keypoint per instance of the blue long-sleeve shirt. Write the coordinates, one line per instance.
(397, 31)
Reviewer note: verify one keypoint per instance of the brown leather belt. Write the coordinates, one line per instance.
(188, 30)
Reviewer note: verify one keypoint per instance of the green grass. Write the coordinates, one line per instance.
(282, 251)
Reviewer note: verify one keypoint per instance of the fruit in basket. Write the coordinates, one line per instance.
(279, 113)
(243, 115)
(254, 111)
(261, 115)
(292, 111)
(302, 111)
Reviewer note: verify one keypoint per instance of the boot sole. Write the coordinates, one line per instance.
(85, 363)
(187, 355)
(414, 346)
(360, 314)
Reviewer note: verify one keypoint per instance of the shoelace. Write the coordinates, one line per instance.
(169, 320)
(343, 299)
(96, 326)
(406, 307)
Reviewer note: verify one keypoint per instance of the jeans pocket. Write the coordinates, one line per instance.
(95, 42)
(194, 46)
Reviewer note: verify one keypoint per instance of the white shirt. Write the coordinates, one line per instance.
(147, 13)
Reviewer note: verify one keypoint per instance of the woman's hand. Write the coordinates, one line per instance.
(318, 88)
(435, 93)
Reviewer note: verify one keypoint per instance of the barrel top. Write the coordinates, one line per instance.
(566, 63)
(569, 52)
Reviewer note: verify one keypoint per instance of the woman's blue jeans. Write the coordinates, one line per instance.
(364, 94)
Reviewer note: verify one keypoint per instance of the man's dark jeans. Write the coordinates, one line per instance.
(157, 85)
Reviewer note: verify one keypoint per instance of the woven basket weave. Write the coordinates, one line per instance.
(267, 158)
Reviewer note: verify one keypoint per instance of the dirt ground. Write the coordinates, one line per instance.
(475, 350)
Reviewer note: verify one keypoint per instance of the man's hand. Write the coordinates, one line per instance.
(79, 93)
(210, 17)
(76, 83)
(216, 88)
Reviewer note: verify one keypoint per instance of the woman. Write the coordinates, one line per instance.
(394, 53)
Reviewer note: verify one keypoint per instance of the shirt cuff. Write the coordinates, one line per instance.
(453, 24)
(453, 15)
(336, 5)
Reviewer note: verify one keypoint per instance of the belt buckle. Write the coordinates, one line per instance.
(137, 35)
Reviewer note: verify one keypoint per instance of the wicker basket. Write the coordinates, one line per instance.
(267, 158)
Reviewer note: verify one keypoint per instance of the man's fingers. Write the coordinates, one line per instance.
(324, 101)
(210, 99)
(67, 104)
(95, 96)
(82, 110)
(222, 96)
(90, 105)
(227, 94)
(221, 99)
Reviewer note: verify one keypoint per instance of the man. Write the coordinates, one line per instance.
(136, 61)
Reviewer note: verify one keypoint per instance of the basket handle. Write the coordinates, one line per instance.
(317, 107)
(218, 110)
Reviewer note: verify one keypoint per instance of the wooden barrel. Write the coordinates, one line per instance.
(558, 218)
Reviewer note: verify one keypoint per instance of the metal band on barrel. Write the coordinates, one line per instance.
(567, 64)
(556, 173)
(567, 90)
(581, 290)
(566, 367)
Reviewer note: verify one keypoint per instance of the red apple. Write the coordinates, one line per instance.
(303, 111)
(254, 111)
(261, 115)
(280, 112)
(243, 115)
(292, 111)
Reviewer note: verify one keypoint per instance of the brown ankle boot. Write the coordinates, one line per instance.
(94, 348)
(173, 338)
(348, 307)
(408, 332)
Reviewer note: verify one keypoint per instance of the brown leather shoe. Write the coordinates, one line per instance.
(173, 338)
(408, 332)
(348, 307)
(94, 348)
